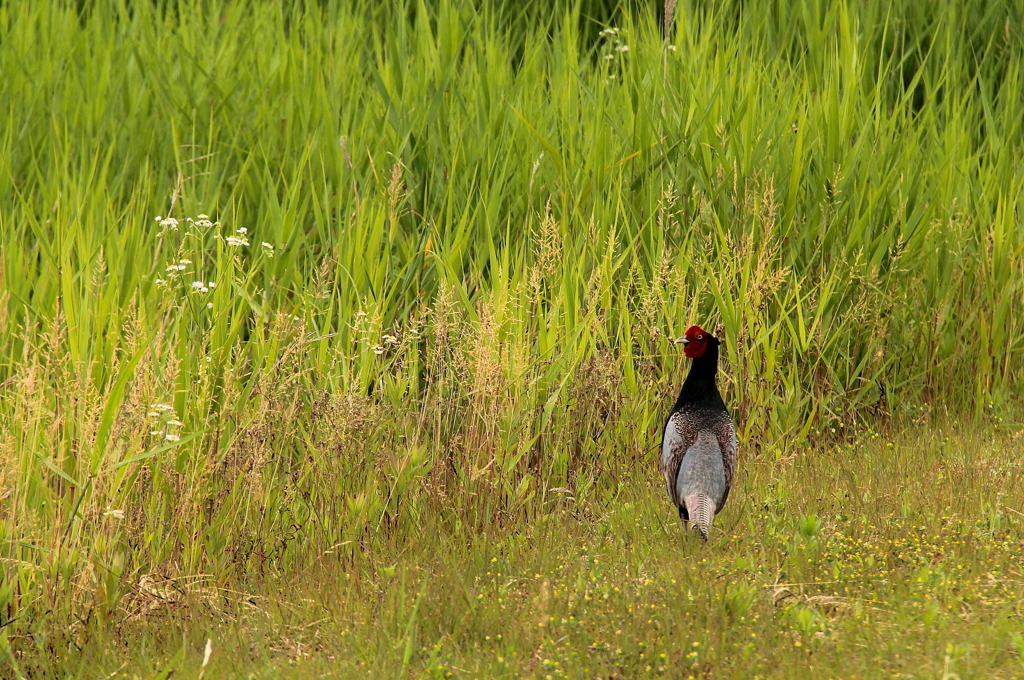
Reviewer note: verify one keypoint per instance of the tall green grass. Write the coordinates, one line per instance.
(482, 225)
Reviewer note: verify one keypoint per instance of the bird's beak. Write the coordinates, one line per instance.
(681, 341)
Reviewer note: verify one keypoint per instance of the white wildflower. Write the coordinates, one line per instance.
(234, 241)
(198, 284)
(536, 166)
(175, 423)
(212, 284)
(172, 437)
(184, 261)
(116, 514)
(377, 349)
(242, 230)
(209, 305)
(622, 48)
(159, 281)
(168, 222)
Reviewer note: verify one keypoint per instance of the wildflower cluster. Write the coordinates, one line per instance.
(203, 371)
(388, 339)
(167, 223)
(175, 269)
(197, 228)
(240, 240)
(613, 48)
(116, 514)
(367, 329)
(166, 424)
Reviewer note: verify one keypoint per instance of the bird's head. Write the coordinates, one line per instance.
(695, 341)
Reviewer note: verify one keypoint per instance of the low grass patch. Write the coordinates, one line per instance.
(867, 559)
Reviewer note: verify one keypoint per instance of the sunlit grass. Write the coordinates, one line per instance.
(895, 572)
(315, 319)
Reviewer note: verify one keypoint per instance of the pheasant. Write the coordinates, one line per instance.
(698, 446)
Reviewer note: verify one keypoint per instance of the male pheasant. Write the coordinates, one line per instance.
(698, 447)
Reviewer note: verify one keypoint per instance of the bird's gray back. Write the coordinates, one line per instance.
(702, 470)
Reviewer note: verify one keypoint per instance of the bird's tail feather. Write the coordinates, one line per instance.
(701, 510)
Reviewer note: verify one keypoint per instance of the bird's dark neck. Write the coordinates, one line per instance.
(699, 387)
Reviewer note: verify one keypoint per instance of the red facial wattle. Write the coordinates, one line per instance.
(694, 348)
(696, 342)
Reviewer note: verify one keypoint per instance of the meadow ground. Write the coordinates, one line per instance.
(334, 337)
(857, 561)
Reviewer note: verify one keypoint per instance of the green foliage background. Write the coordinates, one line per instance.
(486, 220)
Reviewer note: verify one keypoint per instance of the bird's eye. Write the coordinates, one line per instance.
(700, 337)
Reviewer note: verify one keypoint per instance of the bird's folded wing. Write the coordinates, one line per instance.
(679, 436)
(726, 436)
